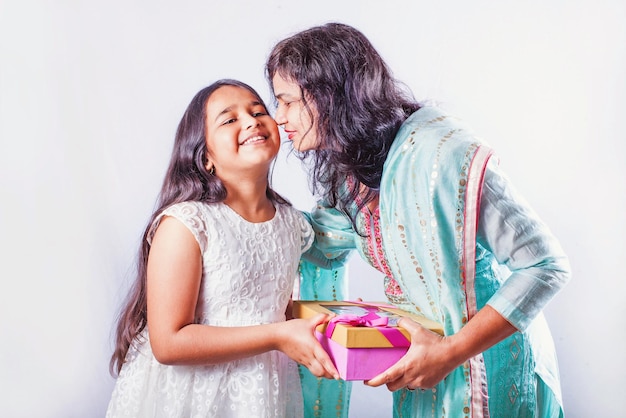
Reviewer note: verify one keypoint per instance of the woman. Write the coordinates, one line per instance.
(420, 198)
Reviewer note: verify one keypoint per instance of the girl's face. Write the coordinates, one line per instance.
(293, 116)
(241, 137)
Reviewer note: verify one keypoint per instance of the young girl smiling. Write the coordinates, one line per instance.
(204, 330)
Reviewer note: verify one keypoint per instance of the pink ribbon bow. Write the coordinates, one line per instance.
(372, 320)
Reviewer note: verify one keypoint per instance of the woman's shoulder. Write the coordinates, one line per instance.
(430, 137)
(433, 117)
(431, 127)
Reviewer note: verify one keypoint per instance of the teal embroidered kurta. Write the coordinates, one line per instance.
(454, 236)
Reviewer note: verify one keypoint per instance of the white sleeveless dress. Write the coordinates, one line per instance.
(248, 277)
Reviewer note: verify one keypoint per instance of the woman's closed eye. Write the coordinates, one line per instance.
(287, 103)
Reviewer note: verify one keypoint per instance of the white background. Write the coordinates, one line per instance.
(91, 94)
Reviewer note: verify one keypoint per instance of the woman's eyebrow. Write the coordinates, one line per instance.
(282, 96)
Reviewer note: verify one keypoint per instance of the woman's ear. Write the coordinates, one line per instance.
(210, 167)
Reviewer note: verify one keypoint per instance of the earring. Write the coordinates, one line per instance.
(212, 170)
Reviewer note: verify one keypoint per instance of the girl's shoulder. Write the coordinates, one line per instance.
(295, 220)
(287, 209)
(284, 210)
(195, 215)
(190, 206)
(192, 209)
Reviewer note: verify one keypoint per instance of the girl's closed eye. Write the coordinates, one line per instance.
(258, 110)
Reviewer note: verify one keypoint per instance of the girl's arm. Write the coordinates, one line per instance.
(174, 275)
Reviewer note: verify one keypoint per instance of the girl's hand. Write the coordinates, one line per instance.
(426, 363)
(297, 340)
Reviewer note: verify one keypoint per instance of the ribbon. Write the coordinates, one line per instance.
(373, 320)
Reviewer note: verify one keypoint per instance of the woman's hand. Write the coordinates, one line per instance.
(297, 340)
(425, 364)
(431, 357)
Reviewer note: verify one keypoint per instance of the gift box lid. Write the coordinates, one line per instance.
(357, 324)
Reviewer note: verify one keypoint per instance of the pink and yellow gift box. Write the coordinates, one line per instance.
(363, 339)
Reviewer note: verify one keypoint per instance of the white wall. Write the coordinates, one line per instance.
(91, 93)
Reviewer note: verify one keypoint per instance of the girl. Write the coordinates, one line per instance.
(415, 192)
(203, 332)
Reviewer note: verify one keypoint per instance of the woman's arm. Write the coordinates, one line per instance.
(432, 357)
(323, 268)
(539, 269)
(174, 276)
(334, 238)
(511, 230)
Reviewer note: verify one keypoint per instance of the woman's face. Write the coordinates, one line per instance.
(296, 119)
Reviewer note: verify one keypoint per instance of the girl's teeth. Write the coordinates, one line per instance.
(256, 138)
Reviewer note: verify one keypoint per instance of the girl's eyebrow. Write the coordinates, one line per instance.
(230, 108)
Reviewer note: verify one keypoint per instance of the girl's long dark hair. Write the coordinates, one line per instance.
(360, 108)
(187, 179)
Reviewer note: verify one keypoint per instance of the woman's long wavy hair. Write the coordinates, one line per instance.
(360, 108)
(187, 179)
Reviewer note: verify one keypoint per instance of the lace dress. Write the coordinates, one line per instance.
(248, 277)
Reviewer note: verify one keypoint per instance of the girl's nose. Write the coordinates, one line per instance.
(252, 122)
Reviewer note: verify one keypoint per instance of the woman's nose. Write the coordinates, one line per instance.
(279, 117)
